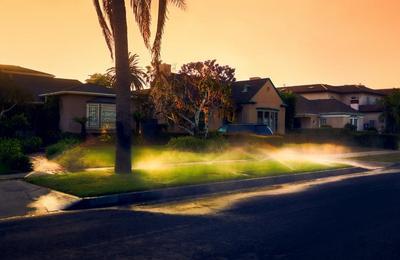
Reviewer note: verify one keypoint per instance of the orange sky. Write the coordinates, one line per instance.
(290, 41)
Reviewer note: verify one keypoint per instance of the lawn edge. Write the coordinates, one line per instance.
(197, 190)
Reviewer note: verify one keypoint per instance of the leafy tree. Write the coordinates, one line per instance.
(200, 90)
(100, 79)
(113, 21)
(391, 112)
(11, 95)
(289, 98)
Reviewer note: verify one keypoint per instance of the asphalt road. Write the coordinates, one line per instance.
(357, 218)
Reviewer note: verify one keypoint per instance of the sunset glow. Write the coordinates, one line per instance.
(293, 42)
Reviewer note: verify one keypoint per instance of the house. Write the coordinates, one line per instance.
(257, 101)
(319, 113)
(96, 103)
(363, 105)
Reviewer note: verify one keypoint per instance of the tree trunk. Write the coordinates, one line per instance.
(123, 163)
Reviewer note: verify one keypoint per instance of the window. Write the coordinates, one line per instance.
(100, 116)
(92, 113)
(269, 118)
(322, 122)
(108, 116)
(371, 123)
(354, 121)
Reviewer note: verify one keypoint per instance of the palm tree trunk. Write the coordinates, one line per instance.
(123, 163)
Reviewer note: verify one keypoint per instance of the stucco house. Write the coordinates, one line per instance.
(257, 101)
(338, 105)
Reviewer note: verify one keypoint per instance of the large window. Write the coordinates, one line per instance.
(93, 116)
(354, 121)
(268, 117)
(100, 116)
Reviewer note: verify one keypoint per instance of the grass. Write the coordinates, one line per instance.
(95, 183)
(393, 157)
(97, 156)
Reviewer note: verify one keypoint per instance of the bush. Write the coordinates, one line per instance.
(61, 146)
(190, 143)
(350, 127)
(12, 157)
(31, 144)
(10, 149)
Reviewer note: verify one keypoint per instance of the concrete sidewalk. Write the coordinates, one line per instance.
(18, 198)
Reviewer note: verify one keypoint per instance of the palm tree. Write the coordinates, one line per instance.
(136, 74)
(113, 21)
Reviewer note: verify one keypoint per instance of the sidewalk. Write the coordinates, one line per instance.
(18, 198)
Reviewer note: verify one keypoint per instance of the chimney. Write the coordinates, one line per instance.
(165, 68)
(255, 78)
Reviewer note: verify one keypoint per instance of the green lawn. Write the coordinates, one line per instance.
(94, 183)
(82, 157)
(394, 157)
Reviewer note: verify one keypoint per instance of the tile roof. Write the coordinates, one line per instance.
(244, 91)
(321, 106)
(12, 70)
(344, 89)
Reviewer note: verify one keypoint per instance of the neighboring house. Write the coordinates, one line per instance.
(257, 101)
(363, 101)
(325, 112)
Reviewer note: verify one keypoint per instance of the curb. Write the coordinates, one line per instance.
(175, 193)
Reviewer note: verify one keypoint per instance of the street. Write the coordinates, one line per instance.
(354, 218)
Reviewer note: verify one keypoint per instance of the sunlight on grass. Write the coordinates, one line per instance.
(85, 184)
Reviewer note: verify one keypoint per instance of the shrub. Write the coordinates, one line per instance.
(326, 126)
(12, 157)
(31, 144)
(10, 149)
(190, 143)
(350, 127)
(61, 146)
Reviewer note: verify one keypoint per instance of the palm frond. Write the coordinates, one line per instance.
(179, 3)
(103, 16)
(161, 20)
(142, 13)
(162, 17)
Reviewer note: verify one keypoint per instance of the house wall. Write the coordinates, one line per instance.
(339, 121)
(309, 122)
(267, 97)
(72, 106)
(379, 124)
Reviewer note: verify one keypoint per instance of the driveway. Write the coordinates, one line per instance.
(345, 218)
